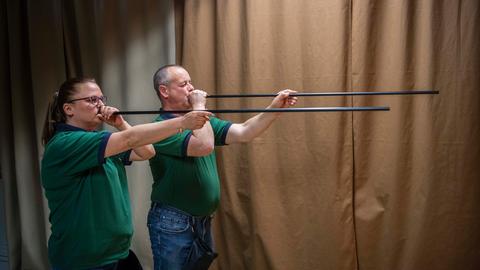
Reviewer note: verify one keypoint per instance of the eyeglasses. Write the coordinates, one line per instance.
(92, 100)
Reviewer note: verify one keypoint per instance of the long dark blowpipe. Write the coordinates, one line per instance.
(331, 94)
(273, 110)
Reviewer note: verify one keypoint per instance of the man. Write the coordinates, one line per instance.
(186, 186)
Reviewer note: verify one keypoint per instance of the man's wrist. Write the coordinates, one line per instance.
(198, 107)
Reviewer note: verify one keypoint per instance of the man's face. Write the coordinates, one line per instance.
(175, 94)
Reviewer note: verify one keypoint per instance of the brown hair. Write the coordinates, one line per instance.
(55, 113)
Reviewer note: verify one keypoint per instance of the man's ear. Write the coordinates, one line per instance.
(68, 109)
(163, 90)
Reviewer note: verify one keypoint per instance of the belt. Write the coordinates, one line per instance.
(156, 205)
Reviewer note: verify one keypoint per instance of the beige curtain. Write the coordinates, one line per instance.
(121, 44)
(364, 190)
(417, 178)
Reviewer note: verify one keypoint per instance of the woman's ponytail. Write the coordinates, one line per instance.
(54, 115)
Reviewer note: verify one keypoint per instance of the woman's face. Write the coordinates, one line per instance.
(83, 107)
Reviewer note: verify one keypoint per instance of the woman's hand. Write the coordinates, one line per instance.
(105, 113)
(195, 119)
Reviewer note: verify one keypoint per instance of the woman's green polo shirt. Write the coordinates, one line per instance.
(88, 198)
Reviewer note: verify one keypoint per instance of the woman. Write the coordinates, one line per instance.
(84, 177)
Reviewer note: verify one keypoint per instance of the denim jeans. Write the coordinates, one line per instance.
(172, 235)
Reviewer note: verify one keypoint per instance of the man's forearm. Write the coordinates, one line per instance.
(202, 141)
(255, 126)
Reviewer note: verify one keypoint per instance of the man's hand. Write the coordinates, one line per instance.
(198, 99)
(283, 99)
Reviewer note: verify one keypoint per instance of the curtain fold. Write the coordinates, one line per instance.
(21, 174)
(416, 182)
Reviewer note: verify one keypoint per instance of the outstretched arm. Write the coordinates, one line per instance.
(142, 152)
(139, 153)
(256, 125)
(140, 137)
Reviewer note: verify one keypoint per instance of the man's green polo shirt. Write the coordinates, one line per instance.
(190, 184)
(88, 198)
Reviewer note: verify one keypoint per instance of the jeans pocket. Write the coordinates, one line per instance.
(168, 221)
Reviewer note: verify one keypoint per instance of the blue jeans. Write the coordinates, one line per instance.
(172, 235)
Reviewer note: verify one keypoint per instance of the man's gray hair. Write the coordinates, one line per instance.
(162, 77)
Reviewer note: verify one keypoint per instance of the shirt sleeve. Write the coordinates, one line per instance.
(124, 157)
(175, 145)
(80, 151)
(220, 130)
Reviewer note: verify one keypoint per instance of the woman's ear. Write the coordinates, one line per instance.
(68, 109)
